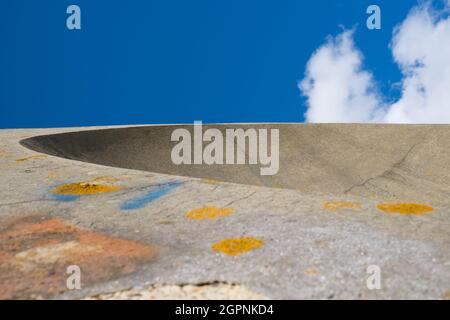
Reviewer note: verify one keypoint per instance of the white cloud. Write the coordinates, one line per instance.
(338, 89)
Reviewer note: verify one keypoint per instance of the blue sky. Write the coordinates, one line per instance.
(157, 61)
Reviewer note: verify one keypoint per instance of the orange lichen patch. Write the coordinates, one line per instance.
(83, 188)
(211, 181)
(38, 156)
(208, 213)
(34, 256)
(311, 272)
(405, 208)
(237, 246)
(339, 205)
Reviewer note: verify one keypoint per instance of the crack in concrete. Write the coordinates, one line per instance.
(128, 190)
(387, 171)
(240, 199)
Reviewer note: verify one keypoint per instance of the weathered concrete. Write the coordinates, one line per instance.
(311, 231)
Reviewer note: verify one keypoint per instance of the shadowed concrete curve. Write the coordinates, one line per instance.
(388, 161)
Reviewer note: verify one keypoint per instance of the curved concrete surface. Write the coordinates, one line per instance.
(403, 161)
(345, 198)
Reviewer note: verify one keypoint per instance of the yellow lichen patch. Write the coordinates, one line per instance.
(38, 156)
(338, 205)
(83, 188)
(237, 246)
(208, 213)
(311, 272)
(405, 208)
(211, 181)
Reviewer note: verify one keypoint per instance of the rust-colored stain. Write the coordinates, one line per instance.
(38, 156)
(34, 256)
(237, 246)
(405, 208)
(339, 205)
(208, 213)
(83, 188)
